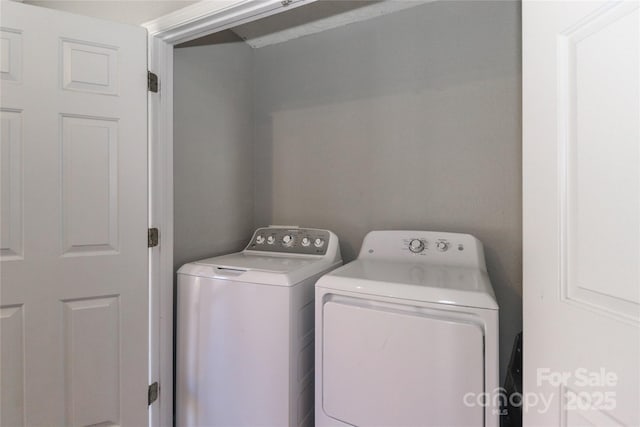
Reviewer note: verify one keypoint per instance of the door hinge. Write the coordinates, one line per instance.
(153, 393)
(153, 237)
(152, 82)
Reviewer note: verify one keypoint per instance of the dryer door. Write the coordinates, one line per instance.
(395, 365)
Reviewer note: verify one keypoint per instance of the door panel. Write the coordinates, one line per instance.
(581, 148)
(11, 184)
(11, 51)
(89, 67)
(92, 338)
(12, 365)
(74, 295)
(90, 204)
(599, 170)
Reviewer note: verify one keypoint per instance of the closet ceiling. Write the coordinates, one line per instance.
(125, 11)
(316, 17)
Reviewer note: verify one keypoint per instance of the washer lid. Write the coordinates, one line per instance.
(451, 285)
(264, 263)
(262, 269)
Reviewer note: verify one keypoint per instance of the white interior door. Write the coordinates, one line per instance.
(74, 296)
(581, 98)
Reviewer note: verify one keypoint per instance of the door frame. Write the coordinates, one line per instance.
(189, 23)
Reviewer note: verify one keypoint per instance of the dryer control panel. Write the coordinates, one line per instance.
(290, 240)
(432, 247)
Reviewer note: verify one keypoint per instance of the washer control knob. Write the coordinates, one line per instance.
(287, 240)
(416, 246)
(271, 239)
(442, 245)
(318, 243)
(306, 241)
(260, 239)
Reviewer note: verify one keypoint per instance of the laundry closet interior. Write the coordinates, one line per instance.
(356, 116)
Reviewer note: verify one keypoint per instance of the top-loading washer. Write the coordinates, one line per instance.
(245, 331)
(407, 334)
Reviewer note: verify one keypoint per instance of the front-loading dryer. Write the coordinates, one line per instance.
(407, 335)
(245, 331)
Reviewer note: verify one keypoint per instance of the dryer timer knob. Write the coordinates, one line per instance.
(416, 246)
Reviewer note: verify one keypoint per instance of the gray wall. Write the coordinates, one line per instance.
(407, 121)
(213, 149)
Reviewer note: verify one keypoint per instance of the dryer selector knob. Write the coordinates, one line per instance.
(306, 241)
(416, 246)
(318, 243)
(287, 240)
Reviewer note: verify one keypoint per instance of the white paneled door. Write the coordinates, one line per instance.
(74, 290)
(581, 94)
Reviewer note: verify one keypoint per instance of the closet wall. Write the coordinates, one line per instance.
(213, 148)
(407, 121)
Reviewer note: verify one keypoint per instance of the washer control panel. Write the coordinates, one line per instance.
(306, 241)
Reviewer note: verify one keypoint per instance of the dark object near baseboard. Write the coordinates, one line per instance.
(512, 407)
